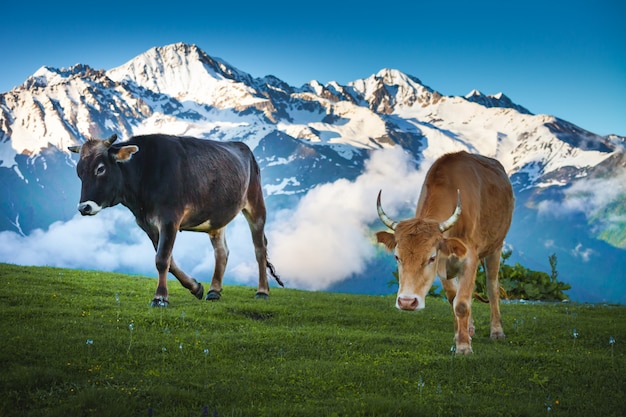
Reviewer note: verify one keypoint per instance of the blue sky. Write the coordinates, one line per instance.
(562, 58)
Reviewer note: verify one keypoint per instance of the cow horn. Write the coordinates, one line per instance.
(445, 225)
(108, 142)
(388, 221)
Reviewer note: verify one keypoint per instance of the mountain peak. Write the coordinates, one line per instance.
(390, 88)
(185, 72)
(396, 77)
(49, 76)
(496, 100)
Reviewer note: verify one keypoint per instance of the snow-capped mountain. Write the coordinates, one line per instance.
(302, 136)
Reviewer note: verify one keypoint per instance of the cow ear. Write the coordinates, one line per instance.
(124, 153)
(387, 239)
(453, 246)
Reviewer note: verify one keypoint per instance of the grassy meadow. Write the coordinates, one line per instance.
(77, 343)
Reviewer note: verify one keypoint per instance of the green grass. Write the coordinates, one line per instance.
(67, 349)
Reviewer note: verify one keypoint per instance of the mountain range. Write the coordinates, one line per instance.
(324, 151)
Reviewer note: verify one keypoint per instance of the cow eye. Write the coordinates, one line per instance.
(101, 169)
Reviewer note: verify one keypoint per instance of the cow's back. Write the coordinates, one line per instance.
(203, 176)
(182, 156)
(486, 196)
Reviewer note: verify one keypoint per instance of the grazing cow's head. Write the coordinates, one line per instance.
(421, 251)
(101, 177)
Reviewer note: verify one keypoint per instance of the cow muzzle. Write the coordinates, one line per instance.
(89, 208)
(410, 302)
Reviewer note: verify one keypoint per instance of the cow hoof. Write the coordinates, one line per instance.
(199, 292)
(213, 295)
(464, 349)
(497, 335)
(159, 301)
(261, 296)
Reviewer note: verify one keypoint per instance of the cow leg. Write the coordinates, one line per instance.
(160, 298)
(191, 284)
(220, 249)
(463, 305)
(492, 267)
(451, 286)
(256, 221)
(186, 281)
(167, 236)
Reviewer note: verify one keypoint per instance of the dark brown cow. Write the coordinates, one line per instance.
(175, 183)
(463, 214)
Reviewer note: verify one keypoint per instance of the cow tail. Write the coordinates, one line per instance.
(271, 268)
(481, 298)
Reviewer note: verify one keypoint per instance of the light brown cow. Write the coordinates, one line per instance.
(449, 242)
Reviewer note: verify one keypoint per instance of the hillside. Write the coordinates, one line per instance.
(86, 343)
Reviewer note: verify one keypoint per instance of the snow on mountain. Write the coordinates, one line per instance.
(524, 143)
(61, 107)
(186, 73)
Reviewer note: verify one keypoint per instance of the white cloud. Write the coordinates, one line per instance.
(109, 241)
(112, 241)
(326, 238)
(580, 252)
(323, 240)
(586, 196)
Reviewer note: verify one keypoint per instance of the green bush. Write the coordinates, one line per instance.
(521, 283)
